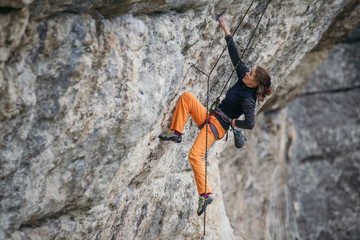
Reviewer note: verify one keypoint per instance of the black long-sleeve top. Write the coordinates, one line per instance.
(239, 99)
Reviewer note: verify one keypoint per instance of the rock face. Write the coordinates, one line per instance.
(324, 158)
(87, 86)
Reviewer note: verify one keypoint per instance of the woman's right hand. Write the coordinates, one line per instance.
(233, 122)
(223, 25)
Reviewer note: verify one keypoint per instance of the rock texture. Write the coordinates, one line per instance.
(324, 159)
(87, 86)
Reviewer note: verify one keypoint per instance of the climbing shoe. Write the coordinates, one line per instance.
(171, 136)
(203, 202)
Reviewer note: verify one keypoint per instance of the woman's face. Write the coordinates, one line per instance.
(249, 79)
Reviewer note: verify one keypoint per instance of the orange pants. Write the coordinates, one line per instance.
(189, 104)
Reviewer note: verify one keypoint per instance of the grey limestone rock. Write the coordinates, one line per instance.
(87, 86)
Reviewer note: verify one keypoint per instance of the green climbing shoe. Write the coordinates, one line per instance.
(203, 204)
(170, 136)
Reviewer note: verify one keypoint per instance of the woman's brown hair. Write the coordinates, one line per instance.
(264, 83)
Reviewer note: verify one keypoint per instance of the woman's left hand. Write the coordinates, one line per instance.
(223, 25)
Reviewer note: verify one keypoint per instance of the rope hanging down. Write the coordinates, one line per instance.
(218, 99)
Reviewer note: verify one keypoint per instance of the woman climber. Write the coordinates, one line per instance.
(240, 99)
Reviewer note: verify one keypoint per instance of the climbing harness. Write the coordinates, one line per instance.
(217, 101)
(212, 128)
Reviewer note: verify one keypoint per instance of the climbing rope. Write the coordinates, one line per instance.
(218, 99)
(206, 146)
